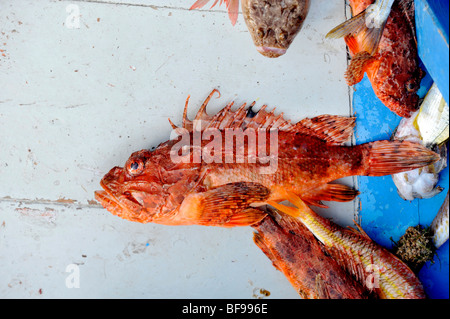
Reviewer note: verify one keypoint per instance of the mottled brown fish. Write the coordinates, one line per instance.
(310, 269)
(391, 61)
(273, 24)
(218, 169)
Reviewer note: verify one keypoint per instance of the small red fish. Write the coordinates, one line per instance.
(295, 252)
(256, 157)
(391, 61)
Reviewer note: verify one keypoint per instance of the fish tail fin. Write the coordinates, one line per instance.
(360, 25)
(391, 157)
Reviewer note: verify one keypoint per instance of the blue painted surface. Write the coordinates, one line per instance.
(432, 28)
(385, 216)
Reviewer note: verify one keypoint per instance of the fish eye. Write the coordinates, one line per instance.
(283, 35)
(411, 86)
(135, 167)
(260, 33)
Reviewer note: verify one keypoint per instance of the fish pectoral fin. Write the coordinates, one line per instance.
(227, 205)
(329, 192)
(357, 67)
(370, 31)
(333, 129)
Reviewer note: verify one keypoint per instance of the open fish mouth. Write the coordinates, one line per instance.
(124, 206)
(113, 199)
(271, 52)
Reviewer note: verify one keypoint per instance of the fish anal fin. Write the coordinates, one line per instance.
(332, 129)
(227, 205)
(357, 67)
(329, 192)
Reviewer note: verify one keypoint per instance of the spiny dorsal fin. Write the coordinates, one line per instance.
(244, 117)
(331, 128)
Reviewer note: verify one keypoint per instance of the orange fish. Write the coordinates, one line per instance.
(385, 51)
(371, 264)
(295, 252)
(218, 169)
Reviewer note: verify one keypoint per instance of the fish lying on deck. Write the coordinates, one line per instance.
(295, 252)
(273, 24)
(370, 263)
(390, 61)
(219, 169)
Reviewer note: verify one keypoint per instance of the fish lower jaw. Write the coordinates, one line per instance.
(271, 52)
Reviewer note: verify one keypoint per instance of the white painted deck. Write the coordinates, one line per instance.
(83, 84)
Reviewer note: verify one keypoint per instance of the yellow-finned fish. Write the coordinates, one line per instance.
(439, 226)
(295, 252)
(433, 118)
(370, 263)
